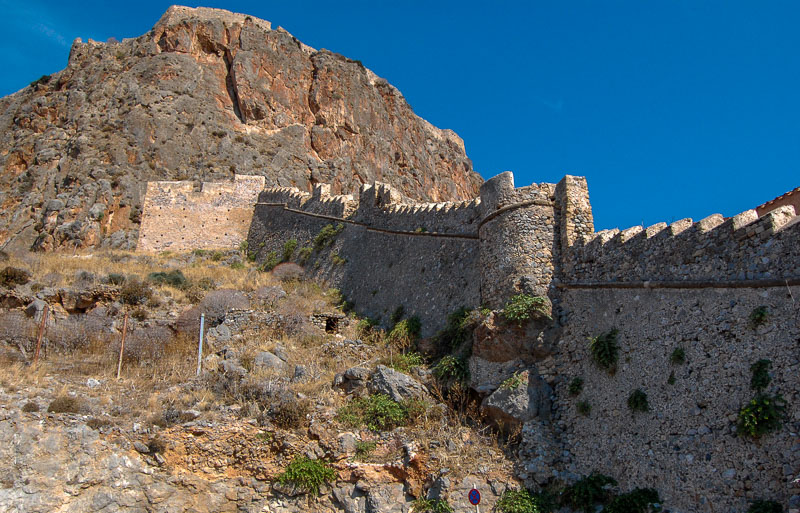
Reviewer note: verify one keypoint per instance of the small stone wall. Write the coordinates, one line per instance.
(180, 216)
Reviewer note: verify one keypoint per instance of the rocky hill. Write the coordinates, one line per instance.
(204, 94)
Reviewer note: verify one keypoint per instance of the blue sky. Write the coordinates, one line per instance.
(671, 109)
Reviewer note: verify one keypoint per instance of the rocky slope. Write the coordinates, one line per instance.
(204, 94)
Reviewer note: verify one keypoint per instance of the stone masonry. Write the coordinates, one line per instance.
(692, 285)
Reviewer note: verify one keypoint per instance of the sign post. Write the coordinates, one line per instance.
(475, 499)
(200, 344)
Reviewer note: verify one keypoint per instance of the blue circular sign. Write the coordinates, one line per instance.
(474, 497)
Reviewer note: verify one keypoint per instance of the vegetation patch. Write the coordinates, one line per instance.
(405, 333)
(639, 500)
(364, 449)
(13, 276)
(524, 501)
(588, 492)
(764, 414)
(460, 325)
(327, 235)
(307, 474)
(678, 356)
(271, 261)
(65, 404)
(762, 506)
(405, 362)
(135, 292)
(423, 505)
(522, 307)
(452, 369)
(760, 379)
(377, 412)
(575, 386)
(512, 382)
(288, 249)
(759, 316)
(637, 401)
(290, 412)
(584, 408)
(605, 349)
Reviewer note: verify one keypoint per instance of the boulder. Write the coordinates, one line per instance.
(268, 361)
(398, 386)
(522, 398)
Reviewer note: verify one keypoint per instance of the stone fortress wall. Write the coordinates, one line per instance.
(182, 216)
(689, 285)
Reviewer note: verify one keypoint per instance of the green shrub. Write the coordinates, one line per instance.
(512, 382)
(678, 356)
(337, 260)
(423, 505)
(584, 408)
(637, 401)
(307, 474)
(405, 362)
(237, 266)
(523, 501)
(605, 350)
(591, 490)
(364, 449)
(174, 278)
(288, 249)
(378, 412)
(271, 261)
(671, 378)
(759, 316)
(762, 506)
(760, 375)
(460, 325)
(327, 235)
(216, 256)
(522, 307)
(575, 386)
(397, 315)
(452, 369)
(304, 254)
(763, 414)
(639, 500)
(365, 327)
(405, 333)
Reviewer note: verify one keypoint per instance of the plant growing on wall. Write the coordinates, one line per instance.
(759, 378)
(759, 316)
(575, 386)
(764, 414)
(588, 492)
(605, 349)
(762, 506)
(522, 307)
(288, 249)
(678, 356)
(637, 401)
(584, 408)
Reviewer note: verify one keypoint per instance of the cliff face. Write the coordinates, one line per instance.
(204, 94)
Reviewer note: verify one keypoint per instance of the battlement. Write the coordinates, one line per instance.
(743, 247)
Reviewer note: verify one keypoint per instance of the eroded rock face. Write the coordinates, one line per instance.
(204, 94)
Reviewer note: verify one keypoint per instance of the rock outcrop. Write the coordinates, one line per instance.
(204, 94)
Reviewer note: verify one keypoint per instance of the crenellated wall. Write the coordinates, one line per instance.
(689, 284)
(182, 216)
(715, 249)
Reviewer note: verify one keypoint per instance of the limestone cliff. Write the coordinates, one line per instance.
(204, 94)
